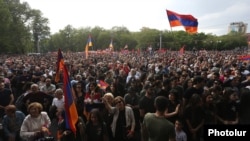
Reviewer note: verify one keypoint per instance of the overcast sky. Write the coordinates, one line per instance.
(214, 16)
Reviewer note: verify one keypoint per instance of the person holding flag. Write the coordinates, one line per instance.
(69, 120)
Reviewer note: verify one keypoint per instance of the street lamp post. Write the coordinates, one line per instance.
(160, 40)
(217, 42)
(38, 46)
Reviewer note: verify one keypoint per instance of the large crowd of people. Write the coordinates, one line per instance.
(124, 96)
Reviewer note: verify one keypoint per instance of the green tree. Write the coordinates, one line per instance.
(39, 27)
(147, 37)
(5, 17)
(16, 35)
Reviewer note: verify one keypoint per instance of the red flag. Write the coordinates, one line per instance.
(71, 115)
(60, 64)
(189, 22)
(102, 84)
(181, 51)
(244, 57)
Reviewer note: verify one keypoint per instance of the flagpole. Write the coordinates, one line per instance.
(173, 37)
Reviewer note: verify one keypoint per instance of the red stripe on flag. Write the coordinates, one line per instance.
(71, 115)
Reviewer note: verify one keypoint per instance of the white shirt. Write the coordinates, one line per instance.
(180, 136)
(59, 103)
(31, 125)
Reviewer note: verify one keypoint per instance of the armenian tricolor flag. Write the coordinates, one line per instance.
(71, 115)
(189, 22)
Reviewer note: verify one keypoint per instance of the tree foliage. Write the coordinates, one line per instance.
(24, 29)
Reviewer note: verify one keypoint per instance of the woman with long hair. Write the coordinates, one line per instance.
(96, 128)
(228, 108)
(92, 98)
(108, 117)
(194, 117)
(79, 100)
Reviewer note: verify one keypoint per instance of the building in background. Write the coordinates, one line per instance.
(238, 27)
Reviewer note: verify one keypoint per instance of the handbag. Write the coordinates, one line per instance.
(45, 137)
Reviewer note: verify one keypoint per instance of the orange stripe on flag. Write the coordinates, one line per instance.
(71, 115)
(60, 64)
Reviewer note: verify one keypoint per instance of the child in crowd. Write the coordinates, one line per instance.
(180, 133)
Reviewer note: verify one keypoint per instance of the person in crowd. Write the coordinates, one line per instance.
(194, 118)
(174, 104)
(209, 107)
(37, 73)
(213, 79)
(49, 88)
(42, 82)
(146, 103)
(90, 79)
(217, 93)
(6, 98)
(175, 84)
(132, 100)
(65, 134)
(246, 81)
(132, 75)
(109, 77)
(115, 88)
(228, 108)
(126, 67)
(180, 133)
(233, 82)
(37, 96)
(123, 124)
(96, 128)
(6, 81)
(155, 126)
(57, 104)
(79, 99)
(244, 106)
(92, 98)
(93, 95)
(120, 83)
(166, 87)
(24, 78)
(188, 83)
(197, 88)
(78, 79)
(20, 105)
(47, 73)
(12, 122)
(107, 116)
(36, 124)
